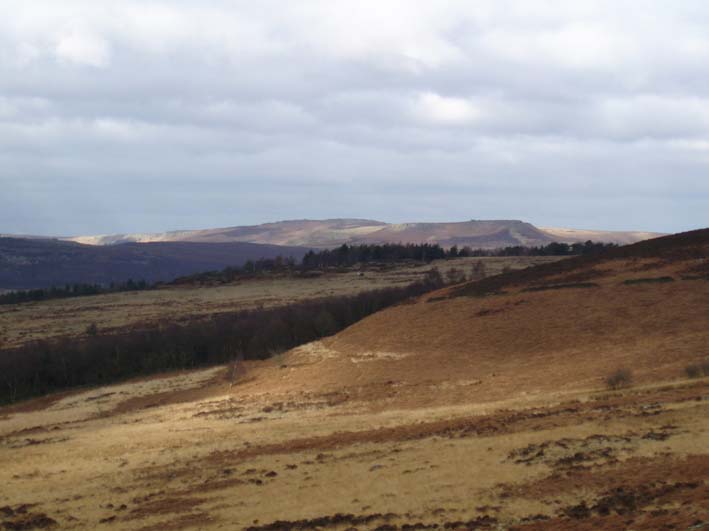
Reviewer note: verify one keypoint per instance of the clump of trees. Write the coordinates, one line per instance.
(94, 359)
(250, 269)
(349, 255)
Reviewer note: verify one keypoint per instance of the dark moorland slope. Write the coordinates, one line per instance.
(36, 263)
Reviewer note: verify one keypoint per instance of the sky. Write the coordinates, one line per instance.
(140, 116)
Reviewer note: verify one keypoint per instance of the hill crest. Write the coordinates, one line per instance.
(330, 233)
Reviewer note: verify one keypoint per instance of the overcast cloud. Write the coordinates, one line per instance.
(155, 115)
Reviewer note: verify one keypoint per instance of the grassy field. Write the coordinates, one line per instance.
(192, 451)
(40, 320)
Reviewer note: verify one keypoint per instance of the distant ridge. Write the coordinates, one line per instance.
(486, 234)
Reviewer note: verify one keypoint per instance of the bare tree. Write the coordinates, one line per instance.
(478, 271)
(238, 368)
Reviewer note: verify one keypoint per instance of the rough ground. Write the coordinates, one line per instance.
(173, 454)
(461, 410)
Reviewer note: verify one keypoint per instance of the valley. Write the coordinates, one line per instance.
(484, 405)
(182, 303)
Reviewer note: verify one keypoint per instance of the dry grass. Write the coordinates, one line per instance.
(175, 454)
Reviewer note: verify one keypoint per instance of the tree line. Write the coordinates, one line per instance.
(250, 269)
(72, 290)
(552, 249)
(349, 255)
(45, 366)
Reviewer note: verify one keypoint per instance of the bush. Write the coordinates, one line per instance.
(619, 379)
(455, 276)
(697, 370)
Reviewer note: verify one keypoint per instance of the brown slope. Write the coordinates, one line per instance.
(555, 328)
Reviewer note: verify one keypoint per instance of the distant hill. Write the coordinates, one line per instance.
(34, 263)
(334, 232)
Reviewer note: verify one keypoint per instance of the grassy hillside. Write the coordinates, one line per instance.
(561, 325)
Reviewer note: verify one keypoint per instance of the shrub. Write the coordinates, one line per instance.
(697, 370)
(619, 379)
(478, 271)
(693, 371)
(433, 277)
(455, 276)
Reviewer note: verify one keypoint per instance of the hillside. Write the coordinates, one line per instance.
(483, 405)
(33, 263)
(334, 232)
(582, 235)
(584, 316)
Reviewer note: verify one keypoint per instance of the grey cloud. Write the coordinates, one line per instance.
(138, 116)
